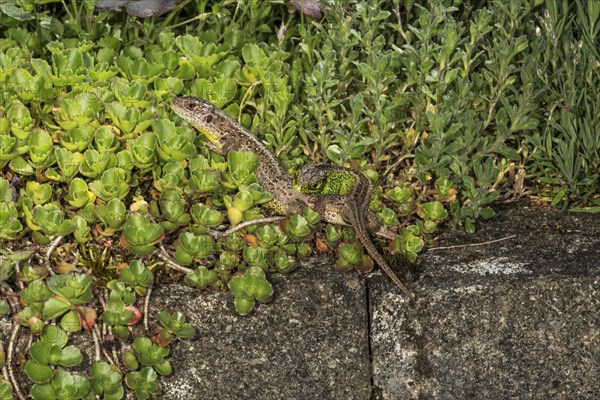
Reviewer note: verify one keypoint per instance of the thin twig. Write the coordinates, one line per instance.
(115, 356)
(11, 297)
(9, 358)
(52, 247)
(472, 244)
(248, 223)
(108, 357)
(29, 341)
(147, 307)
(96, 338)
(105, 352)
(17, 271)
(170, 262)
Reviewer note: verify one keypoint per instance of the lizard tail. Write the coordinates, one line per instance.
(372, 251)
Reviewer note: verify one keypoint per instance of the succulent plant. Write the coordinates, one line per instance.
(241, 167)
(137, 276)
(201, 277)
(403, 199)
(77, 109)
(432, 211)
(107, 381)
(93, 164)
(51, 349)
(256, 257)
(242, 201)
(140, 235)
(113, 215)
(70, 293)
(233, 242)
(105, 140)
(171, 175)
(351, 256)
(152, 355)
(204, 217)
(79, 195)
(408, 244)
(35, 292)
(68, 67)
(78, 138)
(303, 250)
(248, 288)
(281, 260)
(132, 93)
(203, 178)
(266, 236)
(112, 184)
(62, 386)
(51, 221)
(21, 123)
(172, 325)
(38, 193)
(173, 143)
(189, 247)
(172, 209)
(296, 227)
(388, 217)
(129, 119)
(120, 310)
(143, 383)
(10, 226)
(82, 232)
(41, 154)
(139, 68)
(10, 147)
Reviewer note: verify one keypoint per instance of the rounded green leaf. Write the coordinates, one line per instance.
(42, 392)
(55, 335)
(38, 373)
(70, 322)
(40, 352)
(70, 357)
(243, 306)
(435, 211)
(164, 368)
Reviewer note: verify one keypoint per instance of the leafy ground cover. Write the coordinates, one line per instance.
(447, 106)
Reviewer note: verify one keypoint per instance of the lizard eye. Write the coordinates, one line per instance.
(209, 119)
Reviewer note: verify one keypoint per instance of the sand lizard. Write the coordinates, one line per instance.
(224, 134)
(343, 195)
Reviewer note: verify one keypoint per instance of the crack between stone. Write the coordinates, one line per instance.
(370, 341)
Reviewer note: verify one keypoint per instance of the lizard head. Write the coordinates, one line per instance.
(311, 179)
(202, 115)
(325, 179)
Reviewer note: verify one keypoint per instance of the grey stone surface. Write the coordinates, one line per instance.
(311, 342)
(517, 319)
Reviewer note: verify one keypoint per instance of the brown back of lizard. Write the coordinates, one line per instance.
(225, 135)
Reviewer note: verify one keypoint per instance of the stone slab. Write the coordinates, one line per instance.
(516, 319)
(310, 342)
